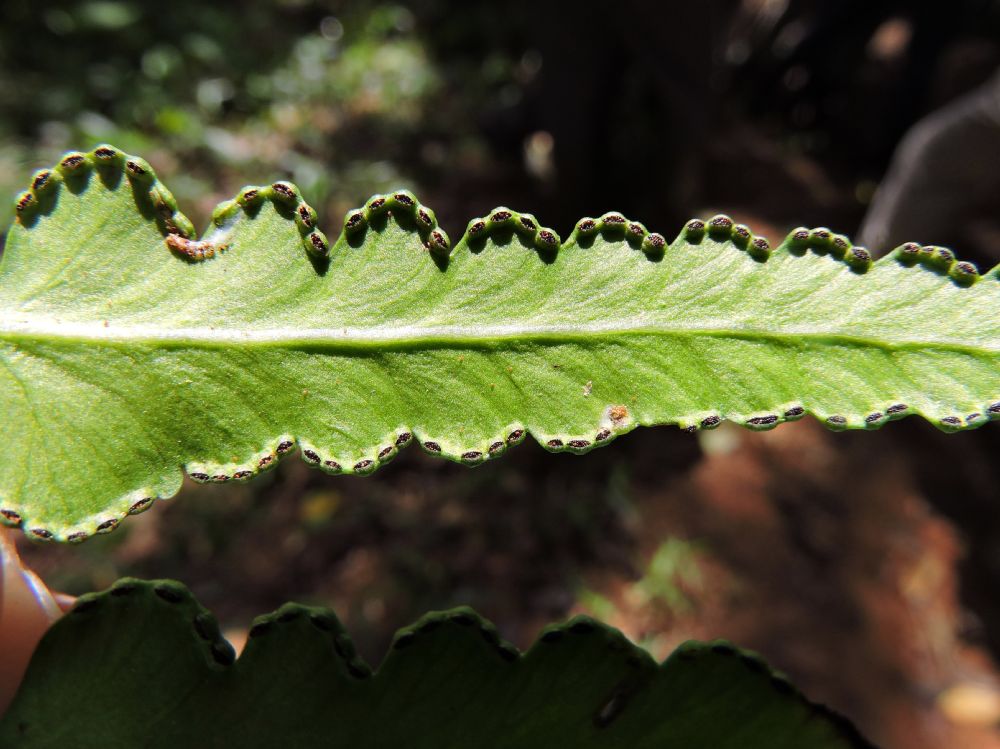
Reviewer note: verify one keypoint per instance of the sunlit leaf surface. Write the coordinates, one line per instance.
(130, 351)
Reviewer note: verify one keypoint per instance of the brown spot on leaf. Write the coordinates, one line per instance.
(41, 179)
(547, 237)
(141, 505)
(656, 241)
(318, 243)
(11, 517)
(189, 248)
(439, 241)
(72, 161)
(721, 224)
(283, 190)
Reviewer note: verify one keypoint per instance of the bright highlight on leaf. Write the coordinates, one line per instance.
(130, 349)
(448, 681)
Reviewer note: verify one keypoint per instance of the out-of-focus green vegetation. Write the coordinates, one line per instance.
(666, 586)
(342, 98)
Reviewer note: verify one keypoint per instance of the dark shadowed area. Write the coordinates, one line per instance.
(864, 565)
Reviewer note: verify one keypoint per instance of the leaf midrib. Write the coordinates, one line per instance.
(429, 336)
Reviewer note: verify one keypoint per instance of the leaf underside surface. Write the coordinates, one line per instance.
(143, 664)
(129, 351)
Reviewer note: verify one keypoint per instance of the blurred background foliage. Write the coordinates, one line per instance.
(865, 565)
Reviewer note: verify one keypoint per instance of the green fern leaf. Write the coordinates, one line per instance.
(448, 681)
(130, 351)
